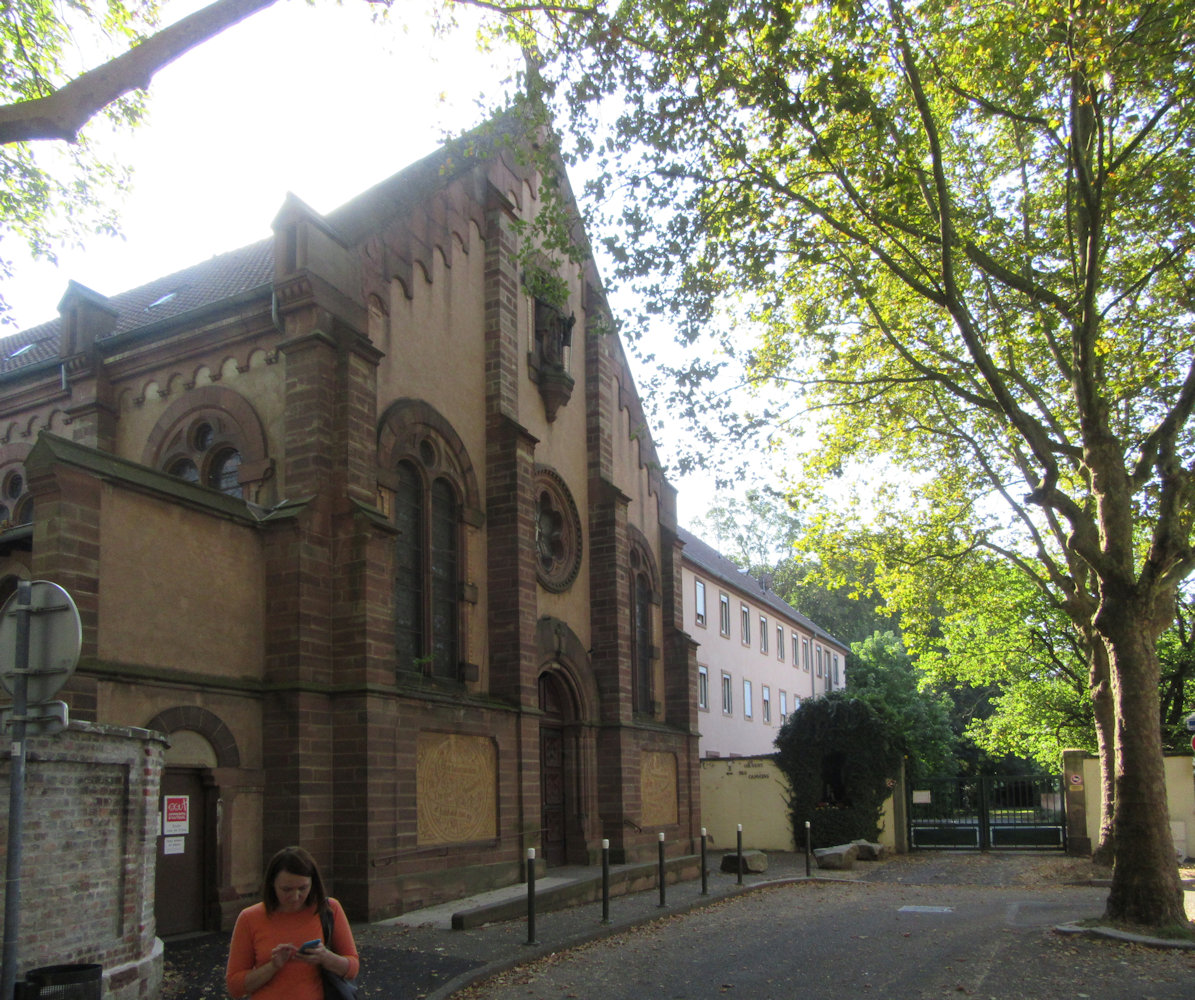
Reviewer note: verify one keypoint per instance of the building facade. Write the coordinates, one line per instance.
(757, 659)
(376, 537)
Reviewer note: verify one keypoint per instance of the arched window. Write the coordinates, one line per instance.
(206, 454)
(426, 571)
(641, 633)
(16, 506)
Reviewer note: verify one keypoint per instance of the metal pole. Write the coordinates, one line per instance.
(740, 853)
(605, 881)
(705, 871)
(530, 896)
(662, 869)
(16, 795)
(808, 850)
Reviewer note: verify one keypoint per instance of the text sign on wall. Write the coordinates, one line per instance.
(176, 815)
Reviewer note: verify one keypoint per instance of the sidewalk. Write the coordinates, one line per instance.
(416, 956)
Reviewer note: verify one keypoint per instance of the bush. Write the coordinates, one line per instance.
(839, 757)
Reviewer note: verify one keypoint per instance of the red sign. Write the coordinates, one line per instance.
(1193, 742)
(176, 814)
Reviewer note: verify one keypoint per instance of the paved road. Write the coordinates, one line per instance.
(815, 941)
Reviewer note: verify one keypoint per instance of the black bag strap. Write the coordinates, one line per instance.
(325, 919)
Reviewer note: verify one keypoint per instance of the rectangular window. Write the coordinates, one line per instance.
(765, 693)
(763, 634)
(745, 624)
(724, 614)
(780, 643)
(817, 660)
(805, 654)
(703, 688)
(783, 706)
(836, 670)
(699, 595)
(727, 696)
(747, 709)
(796, 651)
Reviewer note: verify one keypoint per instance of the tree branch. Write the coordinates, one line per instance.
(62, 114)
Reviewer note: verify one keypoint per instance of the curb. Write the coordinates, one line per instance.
(1112, 934)
(534, 952)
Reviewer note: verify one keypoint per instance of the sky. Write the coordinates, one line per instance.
(316, 100)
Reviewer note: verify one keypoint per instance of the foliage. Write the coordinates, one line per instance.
(881, 673)
(839, 758)
(960, 231)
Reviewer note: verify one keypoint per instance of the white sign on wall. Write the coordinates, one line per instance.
(176, 815)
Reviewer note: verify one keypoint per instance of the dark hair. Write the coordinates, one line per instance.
(296, 861)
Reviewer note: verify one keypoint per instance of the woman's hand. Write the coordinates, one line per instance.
(282, 954)
(320, 955)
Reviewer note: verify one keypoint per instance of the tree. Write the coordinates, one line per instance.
(963, 232)
(881, 673)
(841, 761)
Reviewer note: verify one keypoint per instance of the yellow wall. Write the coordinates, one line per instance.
(753, 792)
(209, 574)
(1180, 795)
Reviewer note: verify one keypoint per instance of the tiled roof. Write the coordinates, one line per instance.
(200, 285)
(717, 566)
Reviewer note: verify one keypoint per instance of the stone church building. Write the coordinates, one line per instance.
(377, 537)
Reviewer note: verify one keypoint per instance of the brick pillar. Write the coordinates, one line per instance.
(66, 550)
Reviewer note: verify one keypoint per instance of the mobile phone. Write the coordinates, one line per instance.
(309, 945)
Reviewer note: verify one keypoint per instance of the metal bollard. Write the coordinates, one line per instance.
(530, 895)
(705, 871)
(740, 852)
(808, 850)
(662, 870)
(605, 881)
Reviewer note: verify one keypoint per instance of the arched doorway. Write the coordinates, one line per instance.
(556, 766)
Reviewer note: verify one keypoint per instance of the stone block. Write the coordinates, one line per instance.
(754, 862)
(840, 858)
(869, 851)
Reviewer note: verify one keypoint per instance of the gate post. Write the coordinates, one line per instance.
(1074, 793)
(984, 818)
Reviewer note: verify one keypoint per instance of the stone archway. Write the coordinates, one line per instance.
(568, 698)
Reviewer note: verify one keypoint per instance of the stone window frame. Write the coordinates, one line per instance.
(703, 687)
(558, 533)
(16, 502)
(644, 600)
(181, 435)
(412, 430)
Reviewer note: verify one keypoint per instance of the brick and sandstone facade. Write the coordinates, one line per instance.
(375, 537)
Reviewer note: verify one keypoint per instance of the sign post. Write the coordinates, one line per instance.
(38, 652)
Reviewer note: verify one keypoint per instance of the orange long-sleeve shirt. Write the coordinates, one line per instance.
(256, 935)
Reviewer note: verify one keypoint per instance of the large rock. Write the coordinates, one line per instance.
(869, 851)
(754, 862)
(837, 858)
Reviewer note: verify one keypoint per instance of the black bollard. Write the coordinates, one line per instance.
(605, 881)
(662, 870)
(740, 850)
(808, 850)
(705, 871)
(530, 895)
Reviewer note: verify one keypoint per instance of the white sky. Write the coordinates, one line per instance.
(315, 100)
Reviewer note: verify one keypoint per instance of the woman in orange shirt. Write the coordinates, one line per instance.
(278, 945)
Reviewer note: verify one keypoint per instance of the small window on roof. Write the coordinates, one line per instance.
(163, 300)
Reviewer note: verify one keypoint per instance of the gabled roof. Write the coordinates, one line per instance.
(222, 277)
(241, 271)
(715, 565)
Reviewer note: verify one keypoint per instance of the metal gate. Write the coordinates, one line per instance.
(1024, 812)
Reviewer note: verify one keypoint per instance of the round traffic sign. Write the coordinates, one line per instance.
(55, 640)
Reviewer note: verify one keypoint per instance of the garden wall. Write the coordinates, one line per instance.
(1081, 774)
(88, 854)
(753, 792)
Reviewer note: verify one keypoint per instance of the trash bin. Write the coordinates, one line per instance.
(66, 982)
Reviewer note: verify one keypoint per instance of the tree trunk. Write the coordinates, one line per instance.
(1105, 733)
(1145, 886)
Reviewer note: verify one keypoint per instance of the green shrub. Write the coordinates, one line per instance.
(839, 757)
